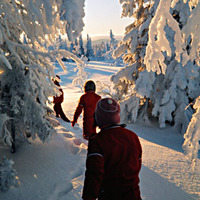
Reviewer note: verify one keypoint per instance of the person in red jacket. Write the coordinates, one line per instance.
(57, 100)
(87, 103)
(114, 158)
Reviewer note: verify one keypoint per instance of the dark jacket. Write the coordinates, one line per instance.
(58, 99)
(113, 165)
(87, 103)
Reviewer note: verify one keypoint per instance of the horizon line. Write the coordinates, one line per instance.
(101, 35)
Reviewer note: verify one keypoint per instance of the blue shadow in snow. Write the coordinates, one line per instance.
(154, 187)
(168, 137)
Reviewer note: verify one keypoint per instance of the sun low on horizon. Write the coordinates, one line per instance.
(101, 16)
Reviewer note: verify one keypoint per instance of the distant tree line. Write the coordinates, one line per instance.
(101, 51)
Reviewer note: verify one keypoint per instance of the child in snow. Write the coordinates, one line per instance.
(114, 158)
(57, 100)
(87, 103)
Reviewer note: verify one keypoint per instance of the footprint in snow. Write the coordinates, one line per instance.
(79, 171)
(60, 190)
(74, 149)
(67, 135)
(77, 141)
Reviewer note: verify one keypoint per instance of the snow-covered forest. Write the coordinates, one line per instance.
(159, 82)
(100, 50)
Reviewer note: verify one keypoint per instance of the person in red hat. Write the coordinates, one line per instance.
(114, 158)
(57, 100)
(87, 103)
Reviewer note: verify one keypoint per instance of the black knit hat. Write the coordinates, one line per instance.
(89, 86)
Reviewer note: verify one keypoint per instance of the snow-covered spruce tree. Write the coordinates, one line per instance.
(76, 42)
(82, 76)
(192, 136)
(99, 51)
(62, 44)
(26, 70)
(72, 48)
(113, 41)
(156, 82)
(112, 46)
(81, 51)
(107, 46)
(89, 51)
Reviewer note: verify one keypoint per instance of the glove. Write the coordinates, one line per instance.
(85, 137)
(73, 123)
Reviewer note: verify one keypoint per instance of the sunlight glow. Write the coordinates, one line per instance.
(18, 2)
(25, 12)
(101, 16)
(35, 176)
(55, 8)
(46, 37)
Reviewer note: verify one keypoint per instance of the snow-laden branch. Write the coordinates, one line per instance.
(72, 12)
(27, 69)
(158, 42)
(57, 53)
(192, 29)
(5, 61)
(191, 144)
(67, 54)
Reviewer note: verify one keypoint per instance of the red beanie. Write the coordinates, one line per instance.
(107, 112)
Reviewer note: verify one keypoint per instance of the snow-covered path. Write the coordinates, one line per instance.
(55, 170)
(169, 175)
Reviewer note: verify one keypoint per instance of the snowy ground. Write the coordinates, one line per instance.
(55, 170)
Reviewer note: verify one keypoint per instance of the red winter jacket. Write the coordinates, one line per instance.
(87, 103)
(113, 165)
(58, 99)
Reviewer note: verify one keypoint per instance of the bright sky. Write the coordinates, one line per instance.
(103, 15)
